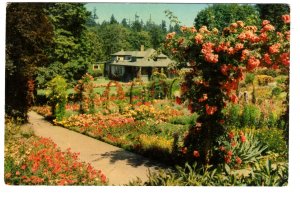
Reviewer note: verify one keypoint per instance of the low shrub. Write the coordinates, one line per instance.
(273, 138)
(238, 149)
(264, 80)
(267, 174)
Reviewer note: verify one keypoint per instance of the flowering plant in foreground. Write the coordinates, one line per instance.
(217, 63)
(38, 161)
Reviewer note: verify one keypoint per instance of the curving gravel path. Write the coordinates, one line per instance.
(118, 165)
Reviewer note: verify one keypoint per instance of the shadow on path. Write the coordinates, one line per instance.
(130, 159)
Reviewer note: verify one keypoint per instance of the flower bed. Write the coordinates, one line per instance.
(38, 161)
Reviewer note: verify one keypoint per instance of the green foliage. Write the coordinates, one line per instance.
(276, 91)
(233, 113)
(70, 52)
(273, 138)
(114, 37)
(249, 78)
(86, 94)
(250, 116)
(239, 149)
(222, 15)
(57, 96)
(184, 120)
(266, 174)
(96, 72)
(28, 34)
(273, 13)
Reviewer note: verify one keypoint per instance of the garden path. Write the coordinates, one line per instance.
(118, 165)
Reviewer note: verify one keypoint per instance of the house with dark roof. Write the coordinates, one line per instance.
(127, 65)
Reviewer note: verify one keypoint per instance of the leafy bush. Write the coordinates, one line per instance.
(267, 174)
(269, 72)
(232, 113)
(96, 72)
(249, 78)
(273, 138)
(276, 91)
(264, 80)
(239, 149)
(57, 96)
(250, 116)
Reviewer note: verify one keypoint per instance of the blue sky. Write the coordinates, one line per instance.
(186, 13)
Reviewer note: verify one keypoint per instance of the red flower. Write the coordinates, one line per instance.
(222, 121)
(285, 59)
(231, 135)
(229, 153)
(265, 22)
(274, 48)
(227, 159)
(267, 59)
(224, 69)
(286, 18)
(238, 160)
(184, 150)
(243, 139)
(252, 63)
(178, 100)
(275, 66)
(196, 153)
(234, 98)
(210, 110)
(204, 98)
(18, 173)
(222, 148)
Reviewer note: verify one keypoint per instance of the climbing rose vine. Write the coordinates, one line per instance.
(217, 62)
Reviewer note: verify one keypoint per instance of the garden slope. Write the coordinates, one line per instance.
(118, 165)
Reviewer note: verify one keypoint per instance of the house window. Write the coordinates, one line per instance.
(96, 67)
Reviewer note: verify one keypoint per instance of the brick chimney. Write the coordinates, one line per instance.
(142, 48)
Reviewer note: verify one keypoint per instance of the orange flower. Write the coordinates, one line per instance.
(267, 59)
(198, 38)
(170, 35)
(268, 27)
(286, 18)
(265, 22)
(252, 63)
(240, 23)
(210, 110)
(238, 46)
(274, 48)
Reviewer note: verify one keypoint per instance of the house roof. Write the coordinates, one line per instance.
(145, 63)
(145, 54)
